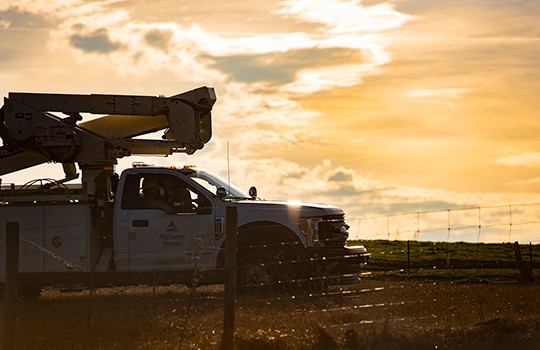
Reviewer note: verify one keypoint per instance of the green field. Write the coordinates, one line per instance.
(457, 262)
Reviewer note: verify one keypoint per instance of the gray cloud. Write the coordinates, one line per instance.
(160, 39)
(280, 67)
(421, 205)
(22, 19)
(98, 41)
(341, 176)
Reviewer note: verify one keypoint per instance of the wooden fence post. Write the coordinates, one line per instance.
(154, 301)
(231, 217)
(91, 299)
(12, 284)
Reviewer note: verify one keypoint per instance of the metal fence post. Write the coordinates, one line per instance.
(12, 284)
(408, 258)
(231, 217)
(531, 257)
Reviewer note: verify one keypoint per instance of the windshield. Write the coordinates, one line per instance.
(212, 182)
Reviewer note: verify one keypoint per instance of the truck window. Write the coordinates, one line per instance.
(185, 198)
(144, 192)
(158, 191)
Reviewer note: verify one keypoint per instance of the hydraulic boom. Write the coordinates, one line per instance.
(32, 135)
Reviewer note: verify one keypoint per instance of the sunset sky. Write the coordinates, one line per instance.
(378, 107)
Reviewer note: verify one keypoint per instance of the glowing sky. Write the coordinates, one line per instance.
(374, 106)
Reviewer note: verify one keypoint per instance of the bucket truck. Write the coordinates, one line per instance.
(148, 220)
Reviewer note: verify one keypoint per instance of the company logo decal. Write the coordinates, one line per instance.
(172, 227)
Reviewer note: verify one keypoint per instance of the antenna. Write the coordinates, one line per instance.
(228, 170)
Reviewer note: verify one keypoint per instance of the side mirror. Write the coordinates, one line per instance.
(221, 192)
(253, 192)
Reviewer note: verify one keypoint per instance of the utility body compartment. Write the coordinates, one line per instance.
(54, 236)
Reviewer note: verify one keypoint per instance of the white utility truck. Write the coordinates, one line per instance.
(148, 220)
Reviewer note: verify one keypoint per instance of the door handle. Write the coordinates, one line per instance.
(139, 223)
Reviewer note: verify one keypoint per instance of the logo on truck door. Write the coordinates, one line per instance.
(171, 237)
(172, 227)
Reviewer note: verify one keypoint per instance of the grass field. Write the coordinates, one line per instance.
(371, 315)
(429, 308)
(455, 262)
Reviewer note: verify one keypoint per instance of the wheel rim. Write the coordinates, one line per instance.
(257, 276)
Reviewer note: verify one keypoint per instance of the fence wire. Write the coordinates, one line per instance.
(501, 223)
(187, 310)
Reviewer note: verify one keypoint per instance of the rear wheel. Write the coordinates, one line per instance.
(30, 291)
(25, 291)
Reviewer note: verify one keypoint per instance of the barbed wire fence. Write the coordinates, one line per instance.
(304, 305)
(501, 223)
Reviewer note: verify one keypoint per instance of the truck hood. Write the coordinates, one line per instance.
(304, 209)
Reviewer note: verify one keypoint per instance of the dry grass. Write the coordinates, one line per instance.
(375, 314)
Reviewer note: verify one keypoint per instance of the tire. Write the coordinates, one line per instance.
(256, 273)
(316, 278)
(309, 277)
(30, 291)
(25, 292)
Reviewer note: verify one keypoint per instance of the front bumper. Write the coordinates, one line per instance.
(340, 265)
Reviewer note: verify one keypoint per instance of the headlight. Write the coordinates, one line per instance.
(310, 229)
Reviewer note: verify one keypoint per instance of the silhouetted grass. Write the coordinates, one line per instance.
(436, 303)
(374, 314)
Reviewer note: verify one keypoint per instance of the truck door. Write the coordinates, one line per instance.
(169, 225)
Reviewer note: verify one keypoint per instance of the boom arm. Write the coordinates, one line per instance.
(32, 136)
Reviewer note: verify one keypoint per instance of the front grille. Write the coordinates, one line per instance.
(330, 231)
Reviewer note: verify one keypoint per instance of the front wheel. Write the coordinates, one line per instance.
(256, 272)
